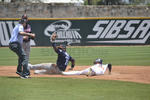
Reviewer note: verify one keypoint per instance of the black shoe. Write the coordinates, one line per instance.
(19, 73)
(109, 68)
(25, 77)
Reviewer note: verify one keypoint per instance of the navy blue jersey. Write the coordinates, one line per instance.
(63, 59)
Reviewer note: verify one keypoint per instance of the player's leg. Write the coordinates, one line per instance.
(19, 66)
(17, 48)
(45, 68)
(82, 72)
(89, 72)
(22, 61)
(26, 47)
(72, 73)
(104, 67)
(40, 71)
(23, 56)
(53, 69)
(85, 72)
(109, 68)
(28, 50)
(38, 66)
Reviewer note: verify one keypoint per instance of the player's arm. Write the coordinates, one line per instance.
(27, 34)
(21, 32)
(54, 46)
(53, 37)
(72, 63)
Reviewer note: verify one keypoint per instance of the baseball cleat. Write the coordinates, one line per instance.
(19, 73)
(109, 68)
(25, 77)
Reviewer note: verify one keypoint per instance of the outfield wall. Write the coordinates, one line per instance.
(41, 10)
(84, 31)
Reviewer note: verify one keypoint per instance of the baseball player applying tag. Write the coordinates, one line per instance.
(61, 64)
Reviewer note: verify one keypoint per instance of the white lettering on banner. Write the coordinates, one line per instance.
(129, 29)
(6, 28)
(107, 29)
(121, 31)
(114, 31)
(10, 26)
(143, 28)
(98, 29)
(64, 32)
(4, 37)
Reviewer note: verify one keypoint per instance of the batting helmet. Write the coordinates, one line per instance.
(98, 61)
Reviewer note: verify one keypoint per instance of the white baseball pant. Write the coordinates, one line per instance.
(45, 68)
(98, 69)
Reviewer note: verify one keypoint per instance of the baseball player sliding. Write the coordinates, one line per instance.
(63, 58)
(48, 68)
(97, 69)
(62, 61)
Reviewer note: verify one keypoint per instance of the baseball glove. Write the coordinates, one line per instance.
(53, 37)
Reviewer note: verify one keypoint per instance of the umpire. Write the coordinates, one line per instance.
(15, 44)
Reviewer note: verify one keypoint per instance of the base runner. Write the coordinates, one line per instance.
(97, 69)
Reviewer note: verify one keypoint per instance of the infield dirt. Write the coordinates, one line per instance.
(139, 74)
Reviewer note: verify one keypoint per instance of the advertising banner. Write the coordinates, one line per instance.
(83, 31)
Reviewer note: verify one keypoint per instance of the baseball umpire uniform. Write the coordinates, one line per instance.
(15, 44)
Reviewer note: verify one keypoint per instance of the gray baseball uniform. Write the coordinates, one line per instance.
(26, 43)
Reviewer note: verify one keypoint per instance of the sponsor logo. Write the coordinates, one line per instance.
(64, 32)
(120, 31)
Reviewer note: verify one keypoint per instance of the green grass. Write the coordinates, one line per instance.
(131, 55)
(13, 88)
